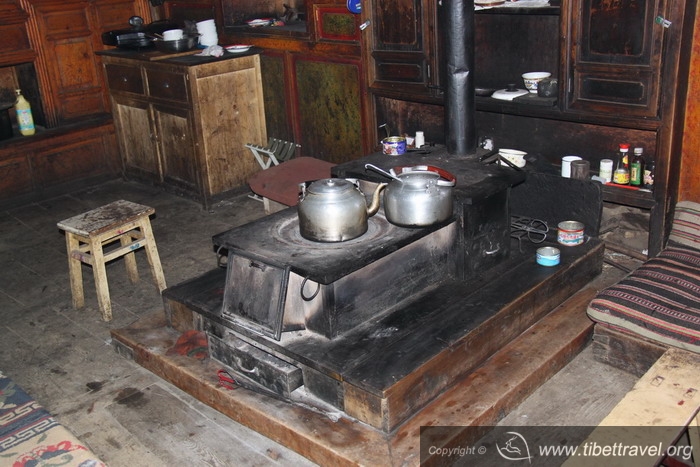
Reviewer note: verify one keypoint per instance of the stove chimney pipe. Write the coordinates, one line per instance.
(460, 129)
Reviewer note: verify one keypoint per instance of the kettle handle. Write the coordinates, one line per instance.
(446, 178)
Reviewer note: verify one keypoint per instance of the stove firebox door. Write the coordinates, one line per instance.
(254, 295)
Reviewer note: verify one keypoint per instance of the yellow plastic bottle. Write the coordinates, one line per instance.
(23, 109)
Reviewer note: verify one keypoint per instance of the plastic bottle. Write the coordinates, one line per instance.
(637, 168)
(25, 121)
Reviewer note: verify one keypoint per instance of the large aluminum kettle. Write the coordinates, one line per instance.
(417, 196)
(334, 210)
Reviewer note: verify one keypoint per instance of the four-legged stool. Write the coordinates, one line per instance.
(87, 233)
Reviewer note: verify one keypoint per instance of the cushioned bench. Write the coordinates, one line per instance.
(660, 300)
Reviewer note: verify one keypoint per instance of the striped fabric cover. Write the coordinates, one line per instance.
(686, 225)
(660, 300)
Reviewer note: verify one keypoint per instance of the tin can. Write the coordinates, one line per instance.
(570, 233)
(394, 145)
(548, 256)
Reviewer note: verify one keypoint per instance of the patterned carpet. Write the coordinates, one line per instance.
(31, 437)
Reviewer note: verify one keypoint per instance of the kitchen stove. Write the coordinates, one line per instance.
(350, 321)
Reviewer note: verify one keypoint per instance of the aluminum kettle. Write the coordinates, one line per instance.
(334, 210)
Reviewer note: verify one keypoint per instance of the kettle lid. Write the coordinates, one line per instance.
(330, 185)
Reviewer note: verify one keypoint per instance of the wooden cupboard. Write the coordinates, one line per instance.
(49, 52)
(313, 75)
(66, 34)
(182, 122)
(620, 68)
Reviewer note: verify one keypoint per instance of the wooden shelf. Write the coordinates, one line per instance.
(544, 10)
(628, 196)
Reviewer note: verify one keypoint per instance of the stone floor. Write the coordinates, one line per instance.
(130, 417)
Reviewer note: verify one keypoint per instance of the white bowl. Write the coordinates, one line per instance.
(533, 78)
(173, 34)
(514, 156)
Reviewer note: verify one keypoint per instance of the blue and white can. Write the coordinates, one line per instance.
(548, 256)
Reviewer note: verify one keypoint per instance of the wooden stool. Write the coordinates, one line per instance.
(87, 233)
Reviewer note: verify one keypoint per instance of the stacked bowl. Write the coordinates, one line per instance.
(207, 33)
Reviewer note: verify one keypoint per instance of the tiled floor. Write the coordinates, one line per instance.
(128, 416)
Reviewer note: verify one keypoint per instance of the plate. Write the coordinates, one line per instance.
(236, 49)
(509, 94)
(254, 23)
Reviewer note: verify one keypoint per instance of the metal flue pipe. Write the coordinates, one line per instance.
(460, 128)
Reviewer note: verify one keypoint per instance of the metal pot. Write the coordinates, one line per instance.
(418, 196)
(334, 210)
(188, 42)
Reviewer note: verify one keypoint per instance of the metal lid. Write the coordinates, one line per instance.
(330, 185)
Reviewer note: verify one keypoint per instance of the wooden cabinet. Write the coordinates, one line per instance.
(183, 121)
(313, 75)
(615, 56)
(66, 34)
(48, 52)
(403, 49)
(620, 71)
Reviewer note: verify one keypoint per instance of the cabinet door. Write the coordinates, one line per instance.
(72, 87)
(616, 50)
(230, 113)
(136, 138)
(175, 145)
(402, 46)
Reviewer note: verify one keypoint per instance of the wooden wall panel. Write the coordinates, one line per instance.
(689, 187)
(277, 118)
(330, 109)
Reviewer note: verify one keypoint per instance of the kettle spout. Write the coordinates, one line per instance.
(374, 206)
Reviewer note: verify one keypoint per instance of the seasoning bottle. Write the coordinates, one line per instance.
(621, 176)
(637, 168)
(624, 151)
(23, 110)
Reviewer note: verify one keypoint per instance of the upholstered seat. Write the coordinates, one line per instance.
(660, 300)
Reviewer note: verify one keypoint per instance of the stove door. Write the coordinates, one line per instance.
(254, 295)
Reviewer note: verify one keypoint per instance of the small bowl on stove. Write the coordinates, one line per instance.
(514, 156)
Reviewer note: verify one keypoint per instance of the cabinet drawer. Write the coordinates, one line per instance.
(404, 68)
(124, 78)
(167, 85)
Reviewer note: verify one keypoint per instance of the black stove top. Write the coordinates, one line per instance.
(275, 240)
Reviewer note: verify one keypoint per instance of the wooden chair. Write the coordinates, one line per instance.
(86, 236)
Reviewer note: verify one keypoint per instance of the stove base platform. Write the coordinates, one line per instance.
(384, 371)
(481, 398)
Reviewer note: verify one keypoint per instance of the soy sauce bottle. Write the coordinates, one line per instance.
(621, 176)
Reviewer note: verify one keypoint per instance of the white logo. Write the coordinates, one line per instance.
(515, 449)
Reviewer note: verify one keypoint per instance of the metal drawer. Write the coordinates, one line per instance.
(124, 78)
(167, 85)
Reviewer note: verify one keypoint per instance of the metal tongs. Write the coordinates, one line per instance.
(383, 172)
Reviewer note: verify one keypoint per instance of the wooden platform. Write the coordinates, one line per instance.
(659, 408)
(479, 399)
